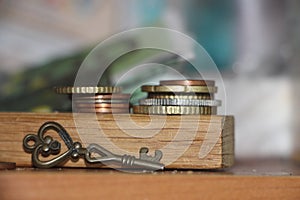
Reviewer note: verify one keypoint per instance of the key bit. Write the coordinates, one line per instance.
(144, 156)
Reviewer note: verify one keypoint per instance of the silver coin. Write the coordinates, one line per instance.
(179, 102)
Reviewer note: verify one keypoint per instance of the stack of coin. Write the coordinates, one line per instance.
(179, 97)
(97, 99)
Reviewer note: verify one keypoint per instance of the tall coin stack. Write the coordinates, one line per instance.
(97, 99)
(179, 97)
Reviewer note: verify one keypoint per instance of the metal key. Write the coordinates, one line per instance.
(126, 161)
(46, 145)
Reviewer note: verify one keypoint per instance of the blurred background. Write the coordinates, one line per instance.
(255, 45)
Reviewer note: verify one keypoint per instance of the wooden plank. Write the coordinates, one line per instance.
(183, 136)
(106, 184)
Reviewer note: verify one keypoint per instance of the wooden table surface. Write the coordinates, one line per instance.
(248, 179)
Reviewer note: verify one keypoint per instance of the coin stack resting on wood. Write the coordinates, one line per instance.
(97, 99)
(179, 97)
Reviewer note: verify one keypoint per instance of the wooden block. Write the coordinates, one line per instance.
(187, 142)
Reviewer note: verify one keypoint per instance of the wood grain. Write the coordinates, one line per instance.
(106, 184)
(129, 133)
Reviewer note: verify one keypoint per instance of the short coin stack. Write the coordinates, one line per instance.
(97, 99)
(179, 97)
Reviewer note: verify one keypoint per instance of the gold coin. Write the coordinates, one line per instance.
(165, 95)
(174, 110)
(87, 90)
(188, 82)
(179, 89)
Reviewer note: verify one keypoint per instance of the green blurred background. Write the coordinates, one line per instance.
(255, 45)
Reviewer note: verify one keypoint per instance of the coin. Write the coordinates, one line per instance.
(7, 165)
(188, 82)
(106, 101)
(179, 102)
(103, 110)
(101, 96)
(87, 90)
(165, 95)
(179, 88)
(174, 110)
(102, 105)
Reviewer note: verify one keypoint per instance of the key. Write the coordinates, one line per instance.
(44, 145)
(144, 162)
